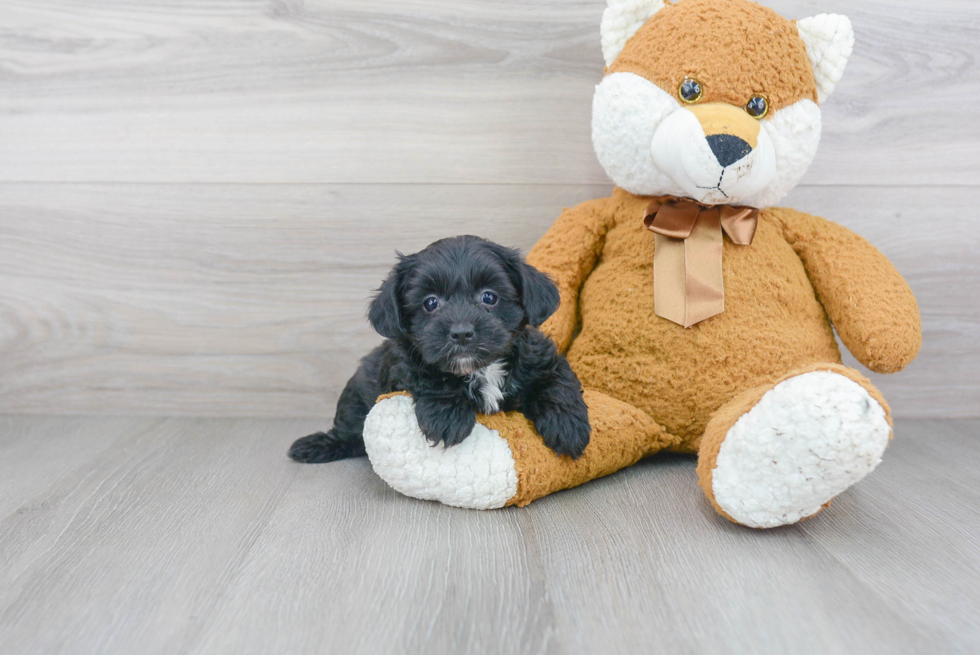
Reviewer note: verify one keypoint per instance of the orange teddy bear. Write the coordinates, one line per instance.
(698, 316)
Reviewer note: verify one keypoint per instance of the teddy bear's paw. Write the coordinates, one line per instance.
(479, 473)
(808, 439)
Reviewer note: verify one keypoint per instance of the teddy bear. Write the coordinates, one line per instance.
(698, 315)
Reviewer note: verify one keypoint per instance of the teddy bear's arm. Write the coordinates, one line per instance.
(867, 299)
(567, 253)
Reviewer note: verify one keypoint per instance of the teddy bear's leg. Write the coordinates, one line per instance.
(779, 453)
(503, 461)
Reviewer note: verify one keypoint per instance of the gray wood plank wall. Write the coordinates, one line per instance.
(196, 197)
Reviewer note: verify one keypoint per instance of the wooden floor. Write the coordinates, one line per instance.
(124, 535)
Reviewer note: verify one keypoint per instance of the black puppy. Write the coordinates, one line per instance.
(460, 318)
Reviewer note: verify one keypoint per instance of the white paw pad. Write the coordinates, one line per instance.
(808, 439)
(476, 474)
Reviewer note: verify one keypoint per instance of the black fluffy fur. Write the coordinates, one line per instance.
(421, 357)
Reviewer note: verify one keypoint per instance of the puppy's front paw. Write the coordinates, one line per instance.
(565, 430)
(325, 447)
(449, 423)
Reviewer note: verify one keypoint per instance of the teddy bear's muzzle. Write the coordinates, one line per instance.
(715, 152)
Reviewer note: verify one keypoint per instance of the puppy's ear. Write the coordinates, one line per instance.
(385, 313)
(539, 295)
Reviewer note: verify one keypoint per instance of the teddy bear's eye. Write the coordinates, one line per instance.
(758, 107)
(690, 91)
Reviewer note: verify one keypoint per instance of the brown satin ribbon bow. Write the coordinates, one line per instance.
(688, 285)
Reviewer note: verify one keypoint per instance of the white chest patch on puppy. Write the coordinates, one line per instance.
(488, 383)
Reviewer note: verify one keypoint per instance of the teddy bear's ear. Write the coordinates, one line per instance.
(621, 20)
(829, 40)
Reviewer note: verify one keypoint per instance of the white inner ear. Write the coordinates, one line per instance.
(621, 20)
(829, 40)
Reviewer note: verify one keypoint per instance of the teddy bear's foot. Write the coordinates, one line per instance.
(780, 453)
(504, 461)
(476, 474)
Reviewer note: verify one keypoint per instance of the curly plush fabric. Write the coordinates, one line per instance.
(621, 436)
(872, 307)
(477, 474)
(773, 321)
(829, 40)
(621, 20)
(733, 48)
(791, 446)
(504, 461)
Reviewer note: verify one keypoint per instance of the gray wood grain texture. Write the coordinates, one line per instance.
(196, 198)
(199, 536)
(424, 91)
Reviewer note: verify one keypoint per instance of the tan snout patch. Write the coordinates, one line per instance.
(723, 118)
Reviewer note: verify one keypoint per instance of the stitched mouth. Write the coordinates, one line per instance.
(717, 187)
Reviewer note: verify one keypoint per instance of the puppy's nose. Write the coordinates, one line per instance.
(461, 333)
(728, 148)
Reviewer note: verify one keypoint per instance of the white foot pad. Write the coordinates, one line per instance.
(477, 474)
(808, 439)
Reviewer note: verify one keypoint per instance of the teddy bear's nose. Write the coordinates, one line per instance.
(728, 148)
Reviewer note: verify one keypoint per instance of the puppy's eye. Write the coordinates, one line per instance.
(430, 304)
(758, 107)
(489, 298)
(690, 91)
